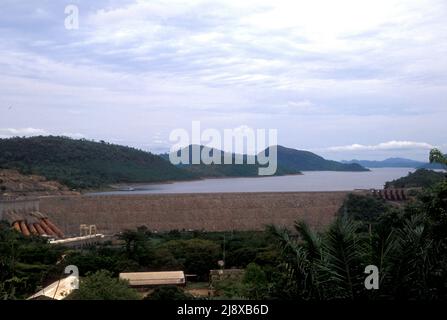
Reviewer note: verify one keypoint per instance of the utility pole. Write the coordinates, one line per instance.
(223, 256)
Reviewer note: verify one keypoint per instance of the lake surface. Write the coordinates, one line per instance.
(309, 181)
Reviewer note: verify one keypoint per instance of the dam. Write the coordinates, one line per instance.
(199, 211)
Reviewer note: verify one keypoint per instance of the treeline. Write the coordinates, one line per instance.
(421, 178)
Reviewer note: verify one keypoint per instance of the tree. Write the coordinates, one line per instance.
(409, 247)
(256, 285)
(102, 286)
(196, 256)
(25, 262)
(169, 293)
(437, 156)
(137, 246)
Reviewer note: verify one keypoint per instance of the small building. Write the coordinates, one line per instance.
(153, 279)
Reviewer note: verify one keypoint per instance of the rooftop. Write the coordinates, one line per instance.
(154, 278)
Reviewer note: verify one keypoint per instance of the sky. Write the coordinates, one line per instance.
(345, 79)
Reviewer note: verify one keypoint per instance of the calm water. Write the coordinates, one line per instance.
(309, 181)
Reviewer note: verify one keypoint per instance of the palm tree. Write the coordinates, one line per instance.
(331, 265)
(326, 266)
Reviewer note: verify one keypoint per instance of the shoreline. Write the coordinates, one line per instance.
(115, 187)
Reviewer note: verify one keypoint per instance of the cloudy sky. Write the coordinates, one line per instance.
(346, 79)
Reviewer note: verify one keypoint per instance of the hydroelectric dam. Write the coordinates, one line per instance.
(200, 211)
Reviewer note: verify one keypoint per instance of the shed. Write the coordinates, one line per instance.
(149, 279)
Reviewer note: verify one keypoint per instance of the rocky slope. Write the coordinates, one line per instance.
(12, 184)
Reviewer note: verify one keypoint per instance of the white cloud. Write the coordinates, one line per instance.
(11, 132)
(338, 69)
(390, 145)
(29, 132)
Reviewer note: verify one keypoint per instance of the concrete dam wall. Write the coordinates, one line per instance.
(209, 212)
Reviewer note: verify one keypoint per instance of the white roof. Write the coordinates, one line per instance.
(58, 290)
(153, 278)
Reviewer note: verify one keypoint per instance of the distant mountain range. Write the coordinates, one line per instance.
(290, 161)
(395, 163)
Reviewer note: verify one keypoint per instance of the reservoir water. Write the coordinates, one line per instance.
(308, 181)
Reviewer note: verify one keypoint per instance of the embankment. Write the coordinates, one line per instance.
(210, 212)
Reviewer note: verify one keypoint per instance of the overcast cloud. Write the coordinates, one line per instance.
(349, 79)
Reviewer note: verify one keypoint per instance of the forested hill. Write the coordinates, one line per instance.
(308, 161)
(289, 161)
(224, 170)
(421, 178)
(85, 164)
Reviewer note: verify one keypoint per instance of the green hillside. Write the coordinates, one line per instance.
(85, 164)
(308, 161)
(421, 178)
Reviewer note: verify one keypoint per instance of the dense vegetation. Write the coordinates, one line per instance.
(26, 263)
(308, 161)
(421, 178)
(101, 285)
(83, 163)
(363, 208)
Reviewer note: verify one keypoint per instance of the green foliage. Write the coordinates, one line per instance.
(85, 164)
(194, 255)
(256, 284)
(93, 259)
(408, 246)
(169, 293)
(25, 262)
(101, 285)
(137, 245)
(421, 178)
(363, 207)
(436, 156)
